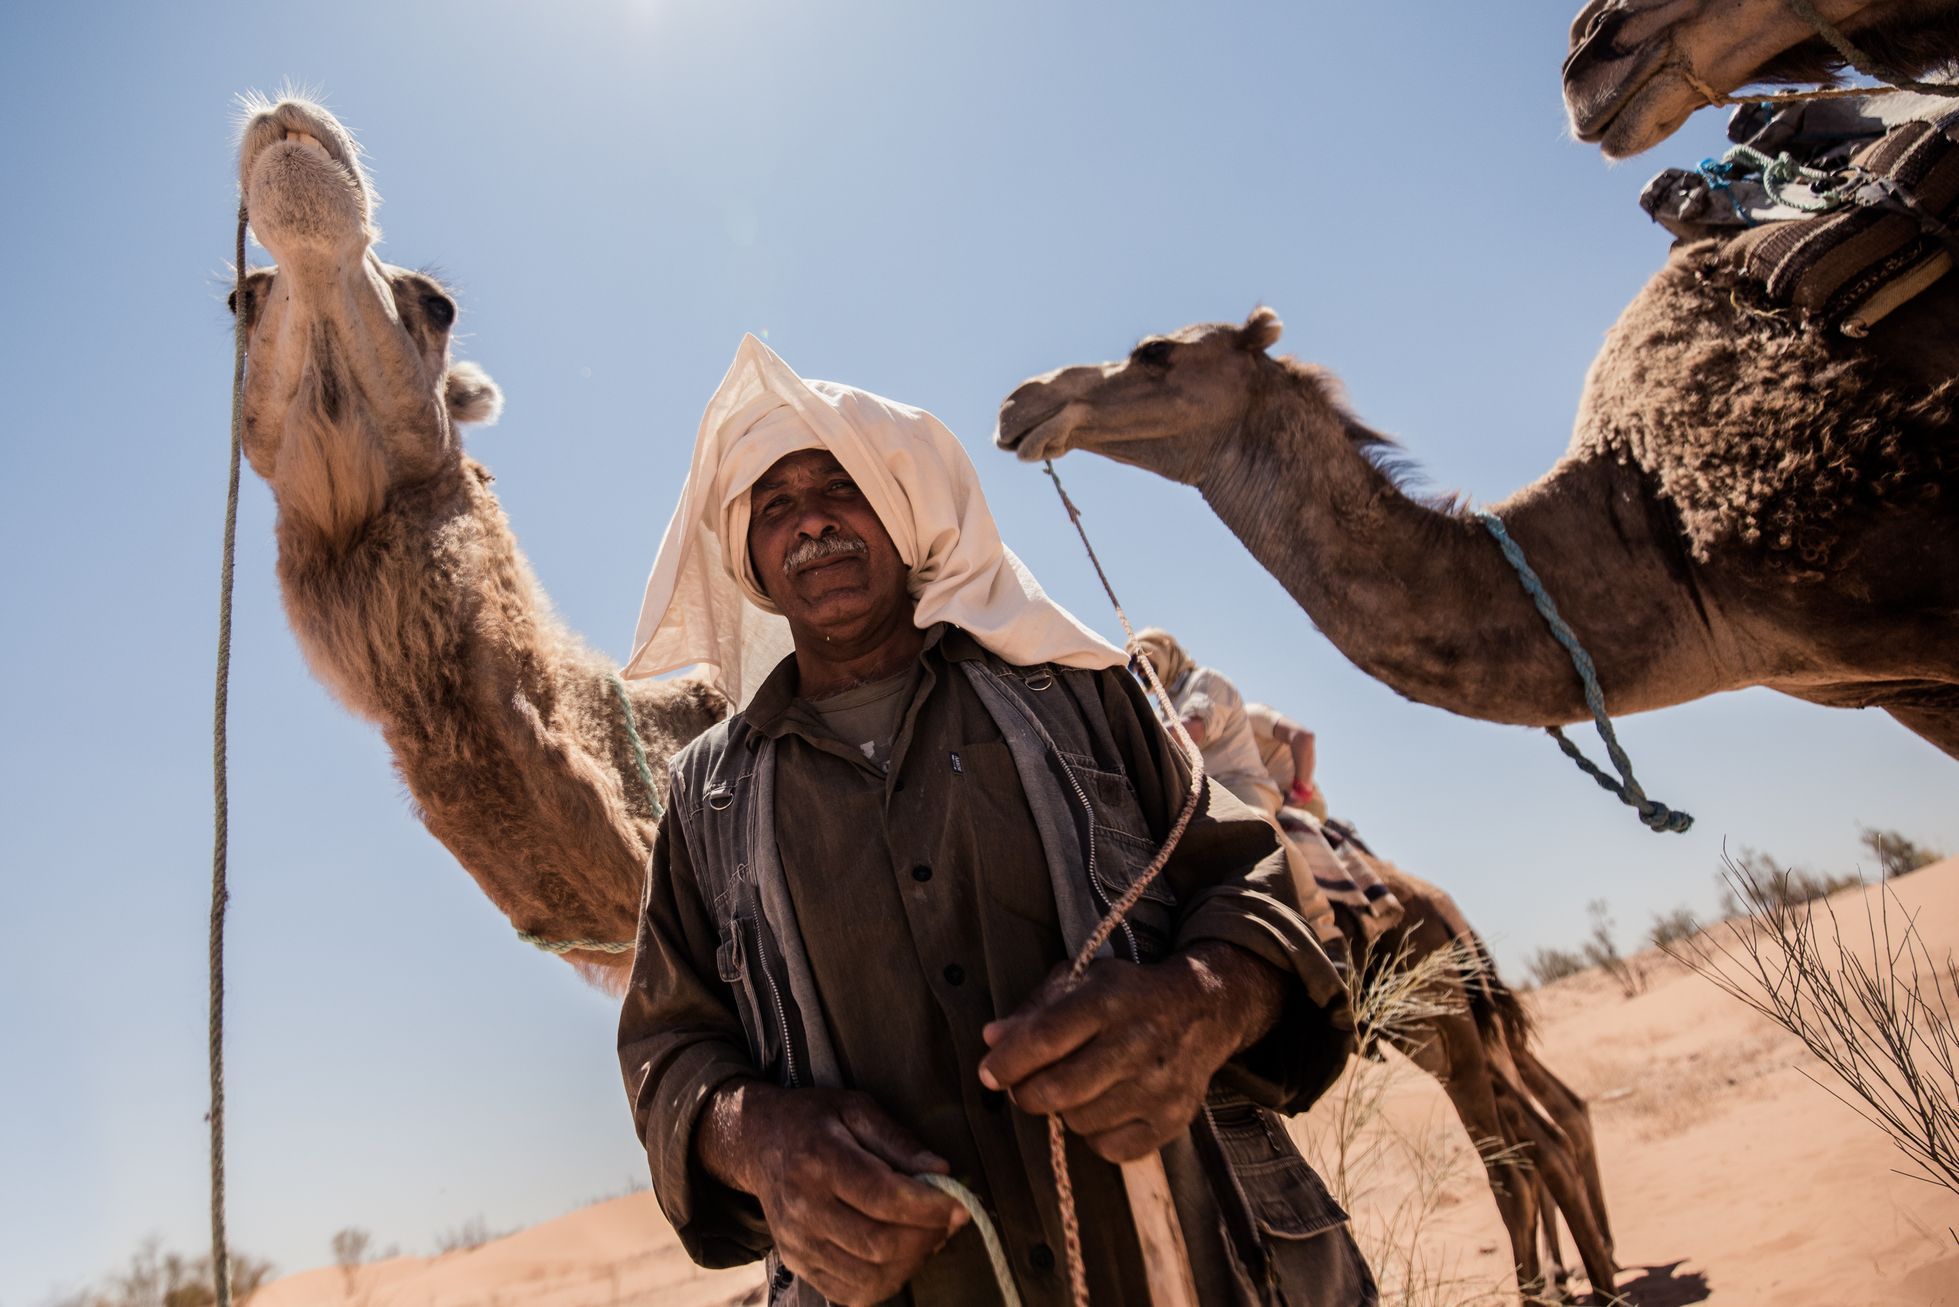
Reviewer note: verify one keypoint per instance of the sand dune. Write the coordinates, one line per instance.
(1731, 1178)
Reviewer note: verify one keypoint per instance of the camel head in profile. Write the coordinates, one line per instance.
(1639, 68)
(1165, 408)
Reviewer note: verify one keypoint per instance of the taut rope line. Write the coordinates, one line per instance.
(1858, 60)
(221, 798)
(1057, 1139)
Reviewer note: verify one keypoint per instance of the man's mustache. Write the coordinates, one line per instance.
(815, 551)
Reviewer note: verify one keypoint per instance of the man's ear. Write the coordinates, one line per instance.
(471, 395)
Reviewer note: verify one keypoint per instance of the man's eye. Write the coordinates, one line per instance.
(844, 486)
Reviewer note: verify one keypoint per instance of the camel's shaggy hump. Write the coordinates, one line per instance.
(1757, 428)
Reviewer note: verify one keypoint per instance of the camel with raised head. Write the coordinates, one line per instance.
(1745, 501)
(1533, 1131)
(1638, 69)
(401, 578)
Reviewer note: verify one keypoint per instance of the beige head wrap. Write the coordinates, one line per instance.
(703, 604)
(1171, 661)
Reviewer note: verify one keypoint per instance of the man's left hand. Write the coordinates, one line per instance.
(1126, 1056)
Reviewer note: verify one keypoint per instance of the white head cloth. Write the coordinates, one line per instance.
(703, 605)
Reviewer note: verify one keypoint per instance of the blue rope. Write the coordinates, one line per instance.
(1656, 815)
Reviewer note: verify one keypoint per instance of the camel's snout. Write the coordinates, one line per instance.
(300, 174)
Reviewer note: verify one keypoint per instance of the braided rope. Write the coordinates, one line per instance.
(220, 790)
(1057, 1138)
(1002, 1270)
(1657, 816)
(560, 947)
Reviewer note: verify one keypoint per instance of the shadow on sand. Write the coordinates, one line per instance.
(1664, 1286)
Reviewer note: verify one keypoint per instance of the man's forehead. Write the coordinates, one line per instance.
(810, 462)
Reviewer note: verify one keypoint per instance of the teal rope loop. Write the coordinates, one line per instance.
(639, 746)
(645, 769)
(966, 1198)
(1657, 816)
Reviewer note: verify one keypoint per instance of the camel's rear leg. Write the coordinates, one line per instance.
(1554, 1268)
(1551, 1155)
(1575, 1119)
(1451, 1052)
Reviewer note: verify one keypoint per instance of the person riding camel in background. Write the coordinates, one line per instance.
(869, 877)
(1290, 754)
(1219, 721)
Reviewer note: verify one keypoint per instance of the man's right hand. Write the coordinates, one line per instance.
(833, 1174)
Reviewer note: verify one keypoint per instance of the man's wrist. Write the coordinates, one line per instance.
(1237, 985)
(726, 1142)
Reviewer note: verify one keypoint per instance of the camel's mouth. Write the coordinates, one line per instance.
(1626, 101)
(302, 178)
(1034, 438)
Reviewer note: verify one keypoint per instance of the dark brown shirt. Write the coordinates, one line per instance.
(923, 899)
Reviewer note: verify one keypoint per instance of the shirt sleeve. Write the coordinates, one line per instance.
(680, 1040)
(1233, 884)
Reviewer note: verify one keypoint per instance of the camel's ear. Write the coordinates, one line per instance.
(472, 396)
(1261, 330)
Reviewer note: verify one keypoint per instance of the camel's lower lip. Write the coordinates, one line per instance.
(1599, 83)
(1016, 442)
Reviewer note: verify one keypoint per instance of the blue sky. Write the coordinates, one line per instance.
(930, 201)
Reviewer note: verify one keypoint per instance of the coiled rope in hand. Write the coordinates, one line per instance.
(1057, 1138)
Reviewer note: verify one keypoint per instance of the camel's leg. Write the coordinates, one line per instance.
(1550, 1153)
(1450, 1050)
(1554, 1267)
(1939, 725)
(1575, 1119)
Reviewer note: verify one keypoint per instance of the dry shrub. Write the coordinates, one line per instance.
(1391, 1179)
(473, 1233)
(159, 1279)
(1877, 1013)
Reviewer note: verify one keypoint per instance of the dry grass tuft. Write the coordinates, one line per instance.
(1877, 1012)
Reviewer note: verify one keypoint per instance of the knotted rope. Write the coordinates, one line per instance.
(1657, 816)
(1057, 1139)
(220, 794)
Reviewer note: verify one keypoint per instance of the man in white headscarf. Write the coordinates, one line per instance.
(867, 876)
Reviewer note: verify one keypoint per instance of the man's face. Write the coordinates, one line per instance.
(821, 554)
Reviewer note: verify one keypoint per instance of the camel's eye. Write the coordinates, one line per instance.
(1152, 354)
(440, 308)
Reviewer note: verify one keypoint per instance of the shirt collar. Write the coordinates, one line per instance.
(769, 712)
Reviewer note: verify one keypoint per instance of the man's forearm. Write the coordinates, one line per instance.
(1241, 987)
(723, 1143)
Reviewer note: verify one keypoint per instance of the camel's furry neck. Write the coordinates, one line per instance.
(502, 723)
(1417, 594)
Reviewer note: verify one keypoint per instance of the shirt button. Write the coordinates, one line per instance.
(955, 974)
(921, 873)
(1042, 1256)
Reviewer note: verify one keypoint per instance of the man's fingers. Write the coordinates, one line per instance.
(1037, 1037)
(866, 1183)
(1077, 1079)
(1128, 1142)
(888, 1141)
(1120, 1104)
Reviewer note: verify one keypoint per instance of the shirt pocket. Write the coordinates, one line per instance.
(732, 963)
(1288, 1200)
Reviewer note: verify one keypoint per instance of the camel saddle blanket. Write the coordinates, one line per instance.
(1889, 194)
